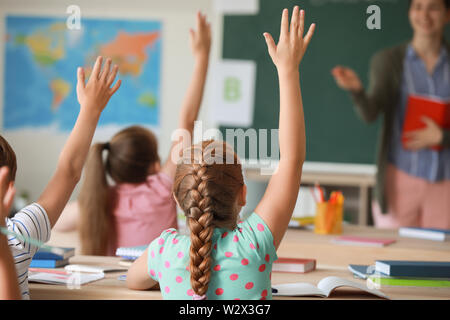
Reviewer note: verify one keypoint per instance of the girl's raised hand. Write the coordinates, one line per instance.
(200, 39)
(291, 47)
(95, 94)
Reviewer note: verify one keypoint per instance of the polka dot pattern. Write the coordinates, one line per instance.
(219, 291)
(241, 266)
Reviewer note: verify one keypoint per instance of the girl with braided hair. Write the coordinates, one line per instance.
(139, 205)
(223, 257)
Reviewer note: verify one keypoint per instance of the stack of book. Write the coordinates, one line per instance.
(405, 273)
(45, 259)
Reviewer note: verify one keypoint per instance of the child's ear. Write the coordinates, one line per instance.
(242, 196)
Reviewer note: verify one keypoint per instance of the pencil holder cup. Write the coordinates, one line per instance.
(328, 218)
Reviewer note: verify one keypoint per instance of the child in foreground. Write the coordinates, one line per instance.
(9, 288)
(37, 219)
(139, 205)
(224, 258)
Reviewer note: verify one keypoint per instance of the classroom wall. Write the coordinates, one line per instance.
(37, 153)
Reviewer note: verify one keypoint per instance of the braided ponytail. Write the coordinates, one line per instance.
(207, 193)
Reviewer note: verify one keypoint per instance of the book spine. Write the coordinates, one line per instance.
(43, 264)
(47, 256)
(422, 234)
(419, 271)
(410, 282)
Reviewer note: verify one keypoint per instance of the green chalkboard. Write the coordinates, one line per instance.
(334, 131)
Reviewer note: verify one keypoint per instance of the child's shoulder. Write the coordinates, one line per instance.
(169, 238)
(255, 234)
(254, 221)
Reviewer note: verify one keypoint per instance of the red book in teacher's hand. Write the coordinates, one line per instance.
(418, 107)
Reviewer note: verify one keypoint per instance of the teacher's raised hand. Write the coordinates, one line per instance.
(346, 79)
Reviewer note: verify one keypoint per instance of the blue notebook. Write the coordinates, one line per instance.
(48, 263)
(421, 269)
(45, 255)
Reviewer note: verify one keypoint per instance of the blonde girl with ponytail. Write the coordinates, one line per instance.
(224, 257)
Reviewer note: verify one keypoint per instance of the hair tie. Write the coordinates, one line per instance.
(197, 297)
(106, 146)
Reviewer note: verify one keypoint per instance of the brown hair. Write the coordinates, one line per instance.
(207, 192)
(8, 158)
(446, 3)
(131, 152)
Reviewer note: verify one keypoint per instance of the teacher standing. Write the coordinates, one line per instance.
(413, 180)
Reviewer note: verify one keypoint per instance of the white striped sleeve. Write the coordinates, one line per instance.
(32, 221)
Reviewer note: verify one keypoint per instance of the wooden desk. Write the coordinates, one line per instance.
(332, 260)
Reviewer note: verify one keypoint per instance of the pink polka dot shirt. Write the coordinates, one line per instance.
(241, 267)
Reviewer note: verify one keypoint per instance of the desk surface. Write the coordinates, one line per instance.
(332, 260)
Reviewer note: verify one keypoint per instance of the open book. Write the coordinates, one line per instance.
(323, 289)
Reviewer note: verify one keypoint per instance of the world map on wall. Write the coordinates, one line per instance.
(41, 60)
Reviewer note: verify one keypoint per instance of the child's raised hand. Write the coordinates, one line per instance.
(201, 38)
(291, 47)
(95, 94)
(6, 194)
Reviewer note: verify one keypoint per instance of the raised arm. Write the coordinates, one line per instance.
(371, 102)
(93, 97)
(279, 200)
(200, 45)
(9, 288)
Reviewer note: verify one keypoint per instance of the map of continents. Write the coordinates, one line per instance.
(41, 59)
